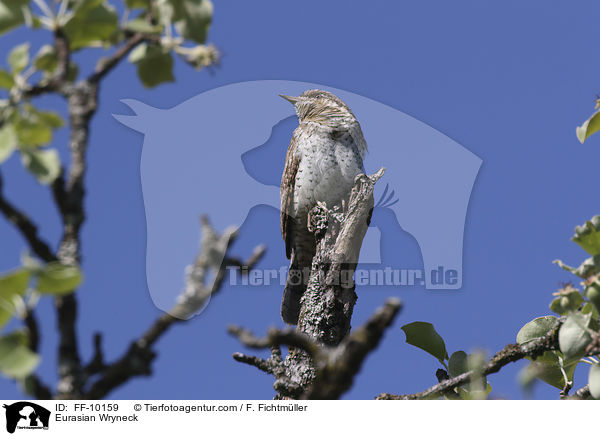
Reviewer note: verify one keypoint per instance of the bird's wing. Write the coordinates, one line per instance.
(288, 180)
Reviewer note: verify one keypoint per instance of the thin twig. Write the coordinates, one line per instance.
(105, 66)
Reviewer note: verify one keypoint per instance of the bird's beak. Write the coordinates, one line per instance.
(289, 98)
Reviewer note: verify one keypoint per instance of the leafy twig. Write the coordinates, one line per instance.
(510, 353)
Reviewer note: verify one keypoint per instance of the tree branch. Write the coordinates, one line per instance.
(335, 367)
(26, 227)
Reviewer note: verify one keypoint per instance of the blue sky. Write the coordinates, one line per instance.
(507, 80)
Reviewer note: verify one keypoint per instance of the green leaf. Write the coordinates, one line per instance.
(573, 337)
(192, 18)
(58, 279)
(31, 132)
(535, 329)
(590, 308)
(538, 328)
(43, 164)
(8, 141)
(424, 336)
(16, 359)
(6, 80)
(11, 14)
(154, 65)
(458, 363)
(46, 59)
(589, 127)
(93, 22)
(588, 236)
(567, 299)
(14, 282)
(142, 26)
(34, 127)
(50, 118)
(18, 58)
(594, 381)
(11, 284)
(548, 373)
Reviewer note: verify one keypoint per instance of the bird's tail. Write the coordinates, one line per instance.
(297, 280)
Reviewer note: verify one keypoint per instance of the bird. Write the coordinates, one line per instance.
(324, 157)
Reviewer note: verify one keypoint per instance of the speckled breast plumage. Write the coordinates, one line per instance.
(327, 168)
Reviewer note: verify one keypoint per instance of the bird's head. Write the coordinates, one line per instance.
(322, 107)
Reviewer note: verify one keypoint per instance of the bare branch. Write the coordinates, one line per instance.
(137, 360)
